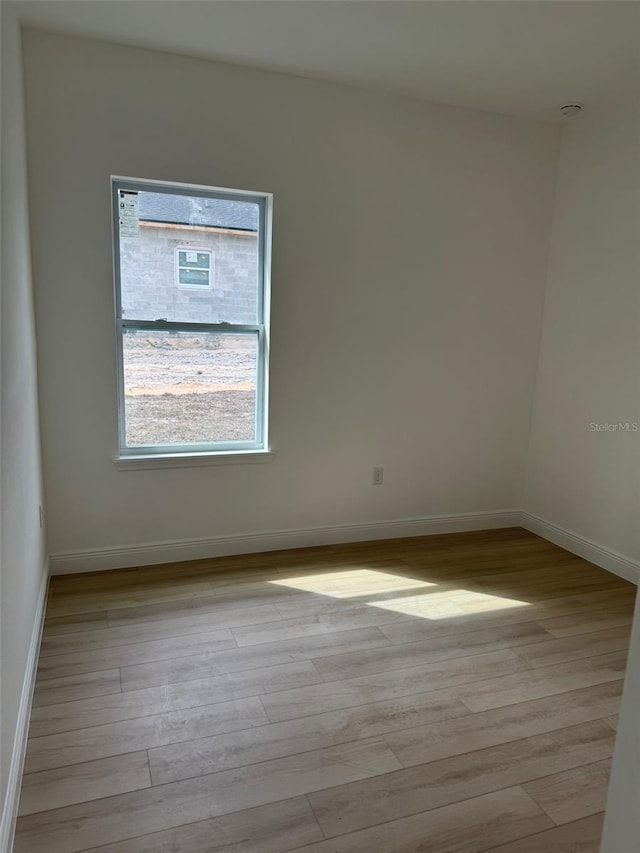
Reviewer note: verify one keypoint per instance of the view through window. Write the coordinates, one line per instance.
(191, 313)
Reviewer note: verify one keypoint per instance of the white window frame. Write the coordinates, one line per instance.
(172, 455)
(179, 266)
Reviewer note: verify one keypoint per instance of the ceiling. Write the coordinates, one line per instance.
(520, 57)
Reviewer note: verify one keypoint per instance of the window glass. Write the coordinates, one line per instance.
(187, 258)
(190, 316)
(184, 387)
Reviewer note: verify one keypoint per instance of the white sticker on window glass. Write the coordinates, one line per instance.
(128, 214)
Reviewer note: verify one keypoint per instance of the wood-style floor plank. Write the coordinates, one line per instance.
(222, 752)
(566, 626)
(103, 637)
(67, 605)
(76, 828)
(114, 657)
(577, 646)
(442, 694)
(572, 794)
(201, 605)
(333, 695)
(583, 836)
(79, 783)
(418, 629)
(68, 688)
(465, 827)
(80, 745)
(240, 660)
(264, 829)
(463, 645)
(545, 681)
(311, 625)
(357, 805)
(55, 625)
(130, 704)
(444, 739)
(538, 593)
(604, 599)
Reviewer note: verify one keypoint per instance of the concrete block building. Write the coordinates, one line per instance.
(193, 260)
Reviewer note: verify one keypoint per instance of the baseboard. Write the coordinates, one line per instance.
(222, 546)
(606, 558)
(12, 799)
(249, 543)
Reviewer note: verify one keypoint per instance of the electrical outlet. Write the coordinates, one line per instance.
(378, 476)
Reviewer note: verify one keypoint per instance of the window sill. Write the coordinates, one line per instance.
(193, 460)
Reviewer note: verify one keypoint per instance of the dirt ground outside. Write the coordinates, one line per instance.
(185, 387)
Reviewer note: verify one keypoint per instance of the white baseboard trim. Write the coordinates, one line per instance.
(223, 546)
(12, 798)
(606, 558)
(248, 543)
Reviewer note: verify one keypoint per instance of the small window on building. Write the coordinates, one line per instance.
(192, 358)
(194, 268)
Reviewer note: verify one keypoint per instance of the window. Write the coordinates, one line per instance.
(191, 283)
(194, 267)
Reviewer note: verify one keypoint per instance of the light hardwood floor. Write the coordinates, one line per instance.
(447, 694)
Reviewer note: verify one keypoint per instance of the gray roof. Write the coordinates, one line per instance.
(191, 210)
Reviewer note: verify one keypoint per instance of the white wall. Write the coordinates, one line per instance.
(585, 481)
(409, 264)
(22, 553)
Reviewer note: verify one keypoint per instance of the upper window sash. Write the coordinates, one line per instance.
(262, 236)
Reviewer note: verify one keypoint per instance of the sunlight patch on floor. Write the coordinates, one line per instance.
(444, 605)
(353, 583)
(428, 604)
